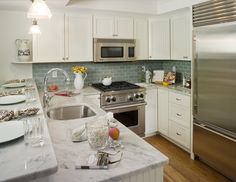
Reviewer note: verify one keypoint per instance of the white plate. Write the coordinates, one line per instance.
(12, 99)
(10, 130)
(14, 85)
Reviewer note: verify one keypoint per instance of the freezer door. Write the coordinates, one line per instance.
(215, 75)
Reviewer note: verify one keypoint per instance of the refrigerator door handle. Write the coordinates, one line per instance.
(210, 130)
(195, 94)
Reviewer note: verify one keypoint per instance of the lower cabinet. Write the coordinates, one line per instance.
(163, 120)
(174, 116)
(151, 112)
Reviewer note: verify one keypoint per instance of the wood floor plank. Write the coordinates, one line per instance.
(181, 168)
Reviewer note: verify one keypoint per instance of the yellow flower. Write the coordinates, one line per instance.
(79, 69)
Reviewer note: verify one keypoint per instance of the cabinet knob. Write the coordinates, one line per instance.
(63, 58)
(178, 114)
(150, 56)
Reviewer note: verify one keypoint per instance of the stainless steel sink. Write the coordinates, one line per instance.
(70, 112)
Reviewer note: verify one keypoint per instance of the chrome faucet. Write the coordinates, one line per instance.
(46, 97)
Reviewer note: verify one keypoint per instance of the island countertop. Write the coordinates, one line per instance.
(138, 156)
(20, 162)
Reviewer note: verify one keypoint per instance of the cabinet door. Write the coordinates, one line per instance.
(49, 45)
(141, 37)
(163, 119)
(159, 38)
(79, 41)
(124, 28)
(151, 111)
(180, 37)
(104, 27)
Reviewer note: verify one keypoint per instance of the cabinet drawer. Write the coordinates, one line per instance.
(179, 99)
(179, 134)
(179, 114)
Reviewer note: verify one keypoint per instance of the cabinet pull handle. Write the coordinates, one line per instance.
(185, 57)
(178, 134)
(178, 114)
(114, 35)
(150, 56)
(178, 99)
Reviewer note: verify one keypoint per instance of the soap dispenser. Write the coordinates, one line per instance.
(148, 75)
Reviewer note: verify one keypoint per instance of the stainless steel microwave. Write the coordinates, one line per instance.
(114, 50)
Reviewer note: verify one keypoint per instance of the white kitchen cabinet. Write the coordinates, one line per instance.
(79, 38)
(141, 37)
(180, 37)
(113, 27)
(64, 38)
(151, 112)
(49, 45)
(159, 38)
(163, 111)
(174, 116)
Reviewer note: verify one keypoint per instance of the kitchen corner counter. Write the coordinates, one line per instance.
(139, 157)
(176, 87)
(19, 162)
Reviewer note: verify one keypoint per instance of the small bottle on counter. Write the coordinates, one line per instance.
(148, 76)
(188, 83)
(184, 81)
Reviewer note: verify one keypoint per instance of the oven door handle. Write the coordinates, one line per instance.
(123, 107)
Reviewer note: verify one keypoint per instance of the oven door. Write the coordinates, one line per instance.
(110, 52)
(132, 116)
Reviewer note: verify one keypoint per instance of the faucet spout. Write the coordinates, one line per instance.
(46, 97)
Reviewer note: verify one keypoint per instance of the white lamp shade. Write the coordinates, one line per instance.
(39, 10)
(34, 29)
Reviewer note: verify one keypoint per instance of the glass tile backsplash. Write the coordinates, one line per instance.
(128, 71)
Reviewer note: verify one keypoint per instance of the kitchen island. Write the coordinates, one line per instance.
(140, 161)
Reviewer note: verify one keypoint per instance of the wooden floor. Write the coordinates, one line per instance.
(181, 168)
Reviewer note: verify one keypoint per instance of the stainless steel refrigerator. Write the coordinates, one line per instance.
(214, 85)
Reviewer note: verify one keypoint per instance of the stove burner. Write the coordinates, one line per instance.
(115, 86)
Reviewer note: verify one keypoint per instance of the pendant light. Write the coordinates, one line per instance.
(34, 29)
(39, 10)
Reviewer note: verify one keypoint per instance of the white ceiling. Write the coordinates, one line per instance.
(135, 6)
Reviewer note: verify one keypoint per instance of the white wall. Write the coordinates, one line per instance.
(14, 25)
(164, 6)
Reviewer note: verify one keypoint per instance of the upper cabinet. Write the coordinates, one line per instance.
(113, 27)
(141, 37)
(180, 37)
(64, 38)
(49, 46)
(79, 38)
(159, 38)
(170, 37)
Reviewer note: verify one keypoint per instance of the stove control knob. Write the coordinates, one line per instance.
(136, 96)
(113, 99)
(108, 99)
(130, 98)
(141, 95)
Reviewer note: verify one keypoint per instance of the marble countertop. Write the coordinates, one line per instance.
(176, 87)
(20, 162)
(138, 155)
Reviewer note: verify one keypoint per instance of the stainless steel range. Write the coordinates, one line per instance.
(127, 102)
